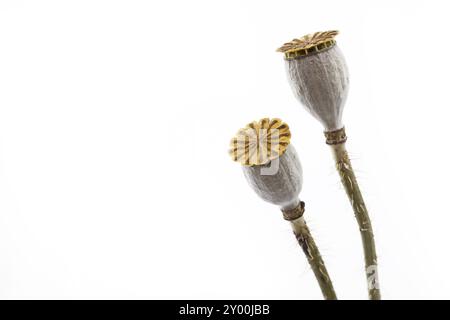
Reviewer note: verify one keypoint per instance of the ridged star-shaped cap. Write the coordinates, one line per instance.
(308, 44)
(260, 142)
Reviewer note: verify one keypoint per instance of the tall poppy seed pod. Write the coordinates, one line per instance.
(273, 170)
(318, 76)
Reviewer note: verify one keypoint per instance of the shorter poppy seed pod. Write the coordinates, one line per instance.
(318, 76)
(272, 168)
(269, 162)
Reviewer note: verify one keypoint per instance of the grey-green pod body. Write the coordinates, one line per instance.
(320, 82)
(278, 182)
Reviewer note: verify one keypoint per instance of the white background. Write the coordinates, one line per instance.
(115, 118)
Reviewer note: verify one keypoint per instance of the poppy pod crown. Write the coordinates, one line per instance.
(308, 44)
(259, 142)
(318, 76)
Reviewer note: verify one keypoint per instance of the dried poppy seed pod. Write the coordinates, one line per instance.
(270, 163)
(318, 76)
(272, 168)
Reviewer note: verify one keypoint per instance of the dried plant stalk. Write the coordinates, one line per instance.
(343, 165)
(312, 253)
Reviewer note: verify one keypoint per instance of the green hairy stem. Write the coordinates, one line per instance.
(309, 247)
(351, 187)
